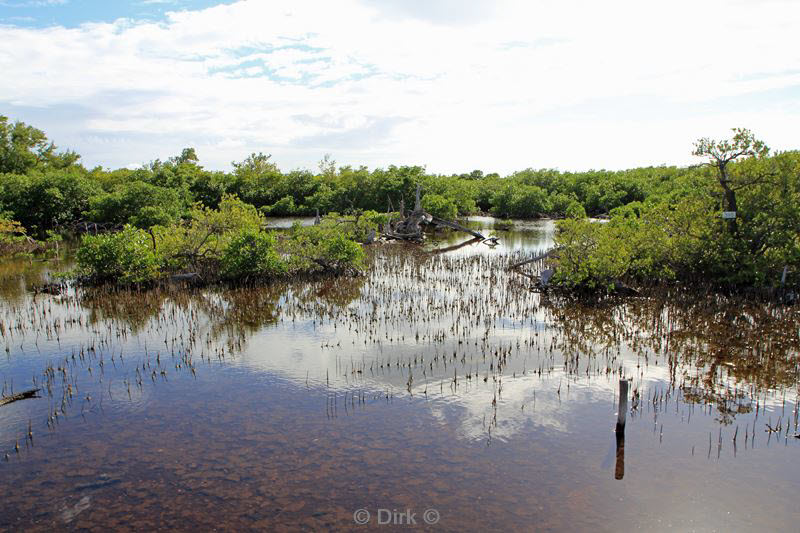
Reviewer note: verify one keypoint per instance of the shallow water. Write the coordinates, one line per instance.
(438, 382)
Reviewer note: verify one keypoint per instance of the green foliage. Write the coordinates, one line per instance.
(188, 155)
(206, 234)
(124, 257)
(228, 242)
(560, 203)
(13, 238)
(720, 154)
(461, 192)
(591, 255)
(283, 207)
(683, 237)
(743, 144)
(250, 254)
(328, 246)
(24, 148)
(373, 220)
(574, 210)
(521, 201)
(138, 203)
(356, 227)
(340, 253)
(162, 192)
(439, 206)
(664, 223)
(359, 226)
(209, 187)
(46, 200)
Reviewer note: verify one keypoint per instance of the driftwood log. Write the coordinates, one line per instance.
(19, 396)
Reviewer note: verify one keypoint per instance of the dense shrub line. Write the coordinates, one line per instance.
(228, 243)
(665, 222)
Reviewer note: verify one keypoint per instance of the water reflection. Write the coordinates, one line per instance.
(438, 358)
(619, 468)
(20, 275)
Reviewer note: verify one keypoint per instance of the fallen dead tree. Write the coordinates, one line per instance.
(412, 227)
(539, 257)
(456, 226)
(409, 228)
(541, 282)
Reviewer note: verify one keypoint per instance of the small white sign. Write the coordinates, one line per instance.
(729, 214)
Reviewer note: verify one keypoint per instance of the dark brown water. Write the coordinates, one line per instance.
(438, 382)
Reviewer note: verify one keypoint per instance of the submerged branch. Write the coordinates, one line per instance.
(19, 396)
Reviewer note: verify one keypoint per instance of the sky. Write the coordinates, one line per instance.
(452, 85)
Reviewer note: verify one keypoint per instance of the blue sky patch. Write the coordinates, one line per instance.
(73, 13)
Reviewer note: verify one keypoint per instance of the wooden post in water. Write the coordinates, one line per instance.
(619, 471)
(623, 405)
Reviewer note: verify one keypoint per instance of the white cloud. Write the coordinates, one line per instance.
(572, 84)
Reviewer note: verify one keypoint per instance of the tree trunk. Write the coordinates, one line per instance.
(730, 200)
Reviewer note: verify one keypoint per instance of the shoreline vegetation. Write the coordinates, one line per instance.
(731, 222)
(225, 244)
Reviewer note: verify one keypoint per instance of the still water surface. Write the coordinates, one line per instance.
(438, 381)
